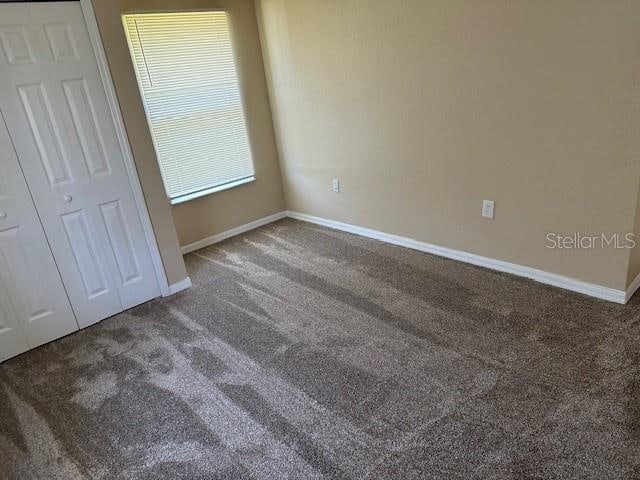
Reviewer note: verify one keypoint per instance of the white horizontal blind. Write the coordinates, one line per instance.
(186, 71)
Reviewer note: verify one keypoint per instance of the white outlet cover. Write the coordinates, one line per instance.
(488, 207)
(335, 185)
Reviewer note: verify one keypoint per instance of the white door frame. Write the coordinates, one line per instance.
(116, 115)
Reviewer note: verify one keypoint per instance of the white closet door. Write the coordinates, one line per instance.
(58, 116)
(34, 308)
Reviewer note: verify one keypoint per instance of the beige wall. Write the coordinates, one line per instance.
(215, 213)
(422, 108)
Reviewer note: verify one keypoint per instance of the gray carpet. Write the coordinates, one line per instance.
(302, 352)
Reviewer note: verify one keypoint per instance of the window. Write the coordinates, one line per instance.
(187, 77)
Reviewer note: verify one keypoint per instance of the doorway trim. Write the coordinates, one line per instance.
(132, 174)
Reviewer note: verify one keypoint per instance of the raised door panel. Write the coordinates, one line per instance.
(85, 253)
(12, 339)
(15, 44)
(34, 301)
(46, 133)
(85, 122)
(60, 39)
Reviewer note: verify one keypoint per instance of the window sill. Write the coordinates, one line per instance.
(209, 191)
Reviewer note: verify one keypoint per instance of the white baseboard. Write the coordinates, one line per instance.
(205, 242)
(567, 283)
(635, 285)
(179, 286)
(548, 278)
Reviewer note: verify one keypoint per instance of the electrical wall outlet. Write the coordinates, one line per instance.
(335, 185)
(488, 207)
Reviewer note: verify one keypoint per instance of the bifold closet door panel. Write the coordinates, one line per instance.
(59, 118)
(34, 308)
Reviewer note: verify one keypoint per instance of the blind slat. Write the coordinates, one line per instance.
(187, 76)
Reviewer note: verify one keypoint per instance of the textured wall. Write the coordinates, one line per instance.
(422, 108)
(215, 213)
